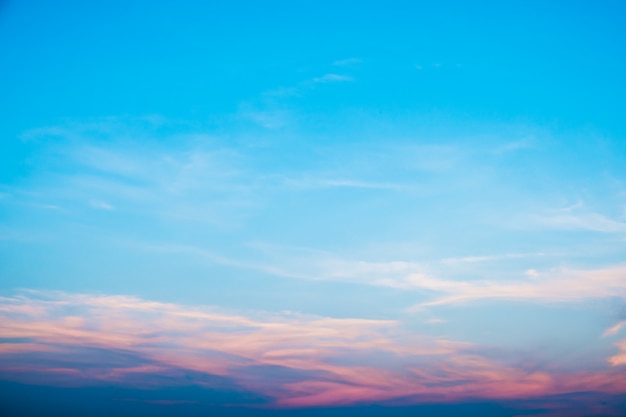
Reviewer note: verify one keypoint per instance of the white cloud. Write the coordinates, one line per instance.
(554, 286)
(327, 182)
(582, 221)
(305, 263)
(490, 258)
(309, 264)
(559, 285)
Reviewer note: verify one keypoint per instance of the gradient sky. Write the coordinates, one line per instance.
(313, 207)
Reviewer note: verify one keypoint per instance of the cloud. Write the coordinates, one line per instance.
(297, 360)
(594, 222)
(327, 182)
(101, 205)
(307, 264)
(184, 177)
(268, 118)
(555, 286)
(490, 258)
(332, 78)
(518, 145)
(319, 265)
(273, 109)
(347, 62)
(620, 358)
(613, 330)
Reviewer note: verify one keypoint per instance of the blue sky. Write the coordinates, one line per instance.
(357, 203)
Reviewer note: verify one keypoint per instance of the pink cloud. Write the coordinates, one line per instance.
(328, 360)
(613, 330)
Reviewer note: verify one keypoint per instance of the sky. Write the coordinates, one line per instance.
(322, 208)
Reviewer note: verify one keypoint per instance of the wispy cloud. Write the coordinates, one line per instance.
(347, 62)
(308, 264)
(273, 110)
(268, 118)
(491, 258)
(594, 222)
(557, 286)
(197, 178)
(101, 205)
(613, 330)
(332, 78)
(620, 358)
(322, 181)
(189, 179)
(517, 145)
(319, 265)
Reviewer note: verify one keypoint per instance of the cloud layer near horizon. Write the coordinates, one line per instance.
(291, 359)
